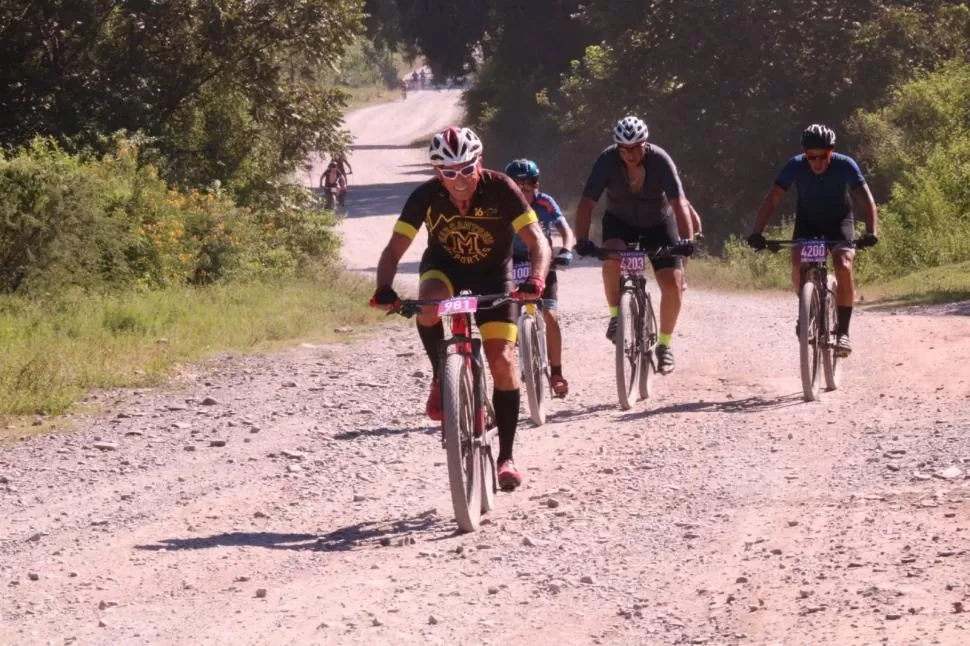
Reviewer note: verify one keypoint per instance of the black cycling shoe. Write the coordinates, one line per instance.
(665, 360)
(843, 347)
(611, 329)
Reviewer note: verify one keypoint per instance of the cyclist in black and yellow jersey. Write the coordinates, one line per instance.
(472, 215)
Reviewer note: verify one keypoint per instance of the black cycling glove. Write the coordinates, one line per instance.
(585, 247)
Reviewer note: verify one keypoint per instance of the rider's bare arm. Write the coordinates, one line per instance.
(390, 257)
(584, 217)
(774, 196)
(682, 210)
(566, 233)
(695, 218)
(863, 198)
(539, 252)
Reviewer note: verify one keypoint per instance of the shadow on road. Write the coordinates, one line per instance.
(366, 200)
(746, 405)
(934, 303)
(579, 413)
(343, 539)
(388, 146)
(384, 432)
(402, 268)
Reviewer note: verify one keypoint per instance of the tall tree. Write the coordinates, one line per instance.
(177, 71)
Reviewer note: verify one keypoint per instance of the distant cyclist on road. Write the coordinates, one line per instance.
(827, 184)
(645, 202)
(334, 178)
(472, 215)
(526, 174)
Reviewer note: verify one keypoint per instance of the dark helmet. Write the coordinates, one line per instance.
(520, 169)
(818, 136)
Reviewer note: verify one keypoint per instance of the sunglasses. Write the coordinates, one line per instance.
(817, 158)
(464, 171)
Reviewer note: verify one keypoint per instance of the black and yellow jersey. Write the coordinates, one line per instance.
(483, 237)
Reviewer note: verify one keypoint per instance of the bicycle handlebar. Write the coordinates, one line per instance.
(777, 245)
(408, 307)
(683, 248)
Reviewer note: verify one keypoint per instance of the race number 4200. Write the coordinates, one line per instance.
(458, 305)
(814, 252)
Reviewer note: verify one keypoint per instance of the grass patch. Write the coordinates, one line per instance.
(944, 284)
(57, 349)
(718, 274)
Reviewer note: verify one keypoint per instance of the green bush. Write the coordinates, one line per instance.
(920, 144)
(763, 269)
(112, 223)
(364, 64)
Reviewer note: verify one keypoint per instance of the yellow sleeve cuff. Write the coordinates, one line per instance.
(524, 220)
(405, 229)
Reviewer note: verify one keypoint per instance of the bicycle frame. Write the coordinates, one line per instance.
(816, 272)
(463, 342)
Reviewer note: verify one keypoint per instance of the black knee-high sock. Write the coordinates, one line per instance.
(506, 403)
(431, 336)
(843, 315)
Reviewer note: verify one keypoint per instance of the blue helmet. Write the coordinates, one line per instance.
(519, 169)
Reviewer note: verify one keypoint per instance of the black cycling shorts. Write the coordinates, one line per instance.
(831, 230)
(650, 238)
(495, 323)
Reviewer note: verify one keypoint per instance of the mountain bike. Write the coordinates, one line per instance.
(468, 428)
(533, 351)
(817, 319)
(637, 332)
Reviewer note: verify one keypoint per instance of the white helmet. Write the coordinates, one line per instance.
(630, 130)
(454, 146)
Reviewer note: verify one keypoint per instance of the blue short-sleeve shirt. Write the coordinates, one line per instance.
(825, 197)
(549, 214)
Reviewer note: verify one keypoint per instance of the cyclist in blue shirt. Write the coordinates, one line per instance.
(525, 173)
(828, 183)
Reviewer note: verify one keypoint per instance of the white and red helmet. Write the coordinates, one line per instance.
(454, 146)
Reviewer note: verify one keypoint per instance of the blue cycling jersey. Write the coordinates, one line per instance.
(549, 216)
(825, 197)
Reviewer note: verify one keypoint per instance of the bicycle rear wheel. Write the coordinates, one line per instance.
(464, 459)
(809, 313)
(831, 363)
(530, 357)
(627, 352)
(648, 357)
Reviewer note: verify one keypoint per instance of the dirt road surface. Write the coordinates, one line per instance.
(301, 498)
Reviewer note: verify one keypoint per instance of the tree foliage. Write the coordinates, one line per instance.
(726, 88)
(222, 89)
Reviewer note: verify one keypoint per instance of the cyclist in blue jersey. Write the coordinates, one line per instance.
(525, 173)
(828, 184)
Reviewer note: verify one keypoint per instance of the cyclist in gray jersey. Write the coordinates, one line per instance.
(645, 203)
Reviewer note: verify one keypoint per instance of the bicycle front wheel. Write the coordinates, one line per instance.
(831, 363)
(464, 459)
(648, 357)
(809, 313)
(627, 349)
(530, 352)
